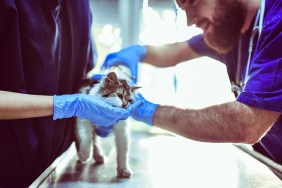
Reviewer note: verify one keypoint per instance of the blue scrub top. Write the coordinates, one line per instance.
(45, 49)
(263, 88)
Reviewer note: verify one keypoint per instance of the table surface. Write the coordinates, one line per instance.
(161, 160)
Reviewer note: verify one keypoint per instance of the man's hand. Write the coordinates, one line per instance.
(145, 111)
(129, 57)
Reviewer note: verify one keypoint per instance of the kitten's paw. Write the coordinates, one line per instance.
(84, 156)
(99, 159)
(124, 173)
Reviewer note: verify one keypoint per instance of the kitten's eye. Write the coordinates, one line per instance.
(106, 95)
(131, 101)
(120, 95)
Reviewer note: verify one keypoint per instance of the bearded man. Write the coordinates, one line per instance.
(255, 116)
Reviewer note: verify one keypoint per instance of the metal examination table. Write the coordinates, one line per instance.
(161, 160)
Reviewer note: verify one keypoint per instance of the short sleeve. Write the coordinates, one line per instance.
(198, 44)
(263, 85)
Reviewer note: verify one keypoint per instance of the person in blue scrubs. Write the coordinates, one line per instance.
(45, 52)
(255, 116)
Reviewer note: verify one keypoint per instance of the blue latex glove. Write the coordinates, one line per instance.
(129, 57)
(91, 108)
(98, 77)
(145, 111)
(103, 131)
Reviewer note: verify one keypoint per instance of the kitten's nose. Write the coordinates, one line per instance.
(124, 105)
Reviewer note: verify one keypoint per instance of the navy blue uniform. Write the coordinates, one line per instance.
(45, 49)
(263, 84)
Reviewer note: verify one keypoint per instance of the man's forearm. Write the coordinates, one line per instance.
(230, 122)
(18, 106)
(169, 54)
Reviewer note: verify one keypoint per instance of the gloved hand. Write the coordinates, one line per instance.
(91, 108)
(145, 111)
(129, 57)
(103, 131)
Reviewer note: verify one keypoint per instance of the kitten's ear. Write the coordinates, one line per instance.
(112, 78)
(135, 88)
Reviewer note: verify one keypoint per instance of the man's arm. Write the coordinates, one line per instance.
(17, 105)
(169, 54)
(161, 56)
(229, 122)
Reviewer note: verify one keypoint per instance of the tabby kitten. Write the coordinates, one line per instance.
(116, 92)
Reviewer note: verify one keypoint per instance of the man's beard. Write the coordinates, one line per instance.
(228, 21)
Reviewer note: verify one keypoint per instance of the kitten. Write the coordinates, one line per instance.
(116, 92)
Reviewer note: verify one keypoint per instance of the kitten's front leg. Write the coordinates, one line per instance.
(83, 139)
(97, 152)
(122, 147)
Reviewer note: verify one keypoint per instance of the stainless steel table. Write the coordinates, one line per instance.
(163, 161)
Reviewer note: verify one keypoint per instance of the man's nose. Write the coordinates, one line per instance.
(191, 19)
